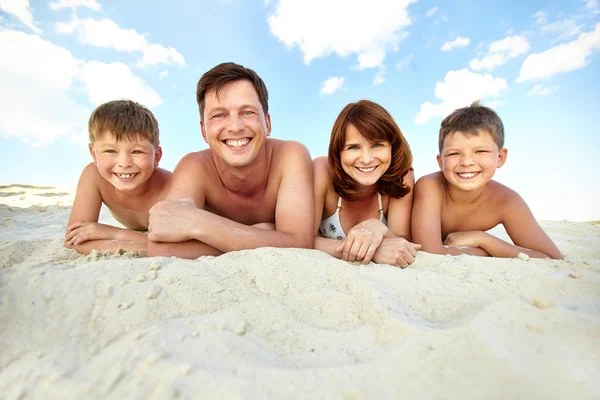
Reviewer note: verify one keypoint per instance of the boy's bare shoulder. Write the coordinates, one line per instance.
(502, 195)
(431, 182)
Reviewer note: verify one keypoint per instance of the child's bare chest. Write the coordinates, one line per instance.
(133, 214)
(479, 217)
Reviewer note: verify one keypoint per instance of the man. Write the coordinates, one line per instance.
(247, 190)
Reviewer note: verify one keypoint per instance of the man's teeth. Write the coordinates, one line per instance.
(126, 176)
(369, 169)
(237, 143)
(467, 175)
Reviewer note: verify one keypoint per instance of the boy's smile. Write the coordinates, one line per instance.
(125, 164)
(469, 162)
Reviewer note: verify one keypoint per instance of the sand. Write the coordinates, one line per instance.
(289, 323)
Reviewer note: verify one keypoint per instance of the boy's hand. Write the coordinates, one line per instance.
(396, 251)
(172, 221)
(467, 238)
(83, 231)
(362, 241)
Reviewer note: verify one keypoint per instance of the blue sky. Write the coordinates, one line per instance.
(536, 63)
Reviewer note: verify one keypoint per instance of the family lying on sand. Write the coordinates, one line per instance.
(360, 203)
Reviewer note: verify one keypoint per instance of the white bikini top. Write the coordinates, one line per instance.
(331, 227)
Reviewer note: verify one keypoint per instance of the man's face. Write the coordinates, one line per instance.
(235, 126)
(469, 162)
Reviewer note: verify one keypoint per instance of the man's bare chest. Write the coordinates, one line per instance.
(247, 210)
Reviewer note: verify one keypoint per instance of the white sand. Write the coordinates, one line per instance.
(288, 324)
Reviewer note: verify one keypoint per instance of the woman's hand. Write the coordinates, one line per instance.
(362, 241)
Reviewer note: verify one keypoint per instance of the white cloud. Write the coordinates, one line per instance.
(456, 43)
(562, 58)
(432, 11)
(459, 89)
(379, 76)
(500, 52)
(441, 18)
(163, 74)
(367, 29)
(540, 17)
(565, 29)
(106, 33)
(38, 79)
(34, 76)
(404, 62)
(20, 9)
(591, 4)
(331, 85)
(73, 4)
(104, 82)
(541, 90)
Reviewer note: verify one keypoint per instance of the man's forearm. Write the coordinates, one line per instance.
(227, 235)
(191, 249)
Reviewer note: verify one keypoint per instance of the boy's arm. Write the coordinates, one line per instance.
(527, 235)
(84, 233)
(112, 245)
(427, 219)
(177, 221)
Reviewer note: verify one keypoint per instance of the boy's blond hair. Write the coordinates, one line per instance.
(471, 121)
(125, 119)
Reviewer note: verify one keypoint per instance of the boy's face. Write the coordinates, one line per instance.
(126, 164)
(364, 161)
(235, 126)
(469, 162)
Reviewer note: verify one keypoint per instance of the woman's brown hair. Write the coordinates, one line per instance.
(376, 125)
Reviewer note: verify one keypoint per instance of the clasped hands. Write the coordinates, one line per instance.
(372, 240)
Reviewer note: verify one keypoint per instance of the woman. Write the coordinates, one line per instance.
(363, 189)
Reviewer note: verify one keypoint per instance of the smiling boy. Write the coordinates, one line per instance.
(124, 144)
(455, 207)
(247, 190)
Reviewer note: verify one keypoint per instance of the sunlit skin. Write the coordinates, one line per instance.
(364, 161)
(124, 177)
(235, 126)
(455, 207)
(468, 162)
(245, 191)
(367, 237)
(126, 165)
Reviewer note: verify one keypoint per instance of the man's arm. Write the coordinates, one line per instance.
(293, 214)
(427, 219)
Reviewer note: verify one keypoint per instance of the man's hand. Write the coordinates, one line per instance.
(82, 231)
(396, 251)
(172, 221)
(467, 238)
(362, 241)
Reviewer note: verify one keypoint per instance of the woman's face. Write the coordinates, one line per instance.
(364, 161)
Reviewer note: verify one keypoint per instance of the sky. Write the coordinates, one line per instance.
(536, 63)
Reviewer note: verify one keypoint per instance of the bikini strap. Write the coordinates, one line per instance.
(380, 206)
(339, 204)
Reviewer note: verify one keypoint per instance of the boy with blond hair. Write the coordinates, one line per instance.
(124, 176)
(455, 207)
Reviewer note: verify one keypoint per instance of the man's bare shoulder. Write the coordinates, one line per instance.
(282, 149)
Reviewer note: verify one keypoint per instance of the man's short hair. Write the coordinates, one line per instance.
(125, 120)
(471, 121)
(224, 73)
